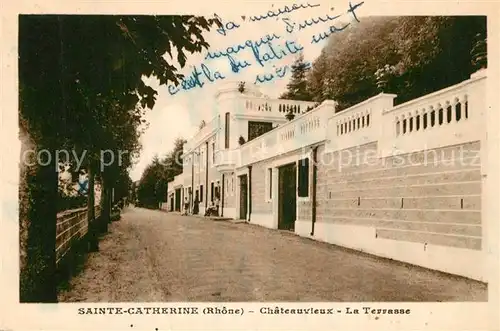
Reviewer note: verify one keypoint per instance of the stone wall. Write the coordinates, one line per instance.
(423, 207)
(430, 197)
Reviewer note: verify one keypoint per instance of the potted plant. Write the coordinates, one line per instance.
(241, 140)
(241, 87)
(290, 115)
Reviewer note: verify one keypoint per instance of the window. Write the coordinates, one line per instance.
(201, 193)
(269, 184)
(303, 185)
(217, 190)
(256, 129)
(226, 144)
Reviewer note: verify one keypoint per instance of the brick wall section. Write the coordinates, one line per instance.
(433, 197)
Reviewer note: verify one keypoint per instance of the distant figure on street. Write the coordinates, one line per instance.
(216, 202)
(196, 207)
(211, 210)
(186, 206)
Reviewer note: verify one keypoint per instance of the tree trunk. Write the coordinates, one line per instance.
(105, 203)
(38, 187)
(93, 233)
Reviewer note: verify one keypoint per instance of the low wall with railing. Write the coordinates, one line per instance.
(306, 129)
(408, 184)
(402, 182)
(275, 107)
(71, 226)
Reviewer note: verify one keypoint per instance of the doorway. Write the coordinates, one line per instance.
(178, 199)
(287, 196)
(243, 196)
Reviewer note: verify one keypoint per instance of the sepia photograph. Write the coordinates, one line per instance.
(302, 153)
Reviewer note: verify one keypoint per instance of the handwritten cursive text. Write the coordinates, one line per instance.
(323, 35)
(235, 49)
(279, 72)
(225, 26)
(282, 11)
(290, 26)
(196, 79)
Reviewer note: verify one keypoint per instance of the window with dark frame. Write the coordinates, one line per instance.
(303, 185)
(256, 129)
(226, 144)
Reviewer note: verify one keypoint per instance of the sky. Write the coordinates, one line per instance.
(179, 115)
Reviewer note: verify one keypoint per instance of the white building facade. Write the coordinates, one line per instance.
(404, 182)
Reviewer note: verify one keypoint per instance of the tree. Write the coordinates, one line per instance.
(80, 79)
(173, 160)
(149, 189)
(153, 184)
(297, 87)
(410, 56)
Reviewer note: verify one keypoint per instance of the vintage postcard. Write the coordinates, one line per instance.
(250, 165)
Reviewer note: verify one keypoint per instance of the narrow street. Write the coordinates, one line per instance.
(156, 256)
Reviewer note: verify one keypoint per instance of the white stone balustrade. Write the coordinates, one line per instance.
(447, 117)
(304, 130)
(274, 107)
(359, 124)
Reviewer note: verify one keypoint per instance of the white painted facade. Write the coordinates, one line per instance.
(455, 116)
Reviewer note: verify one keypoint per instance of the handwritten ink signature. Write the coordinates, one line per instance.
(281, 11)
